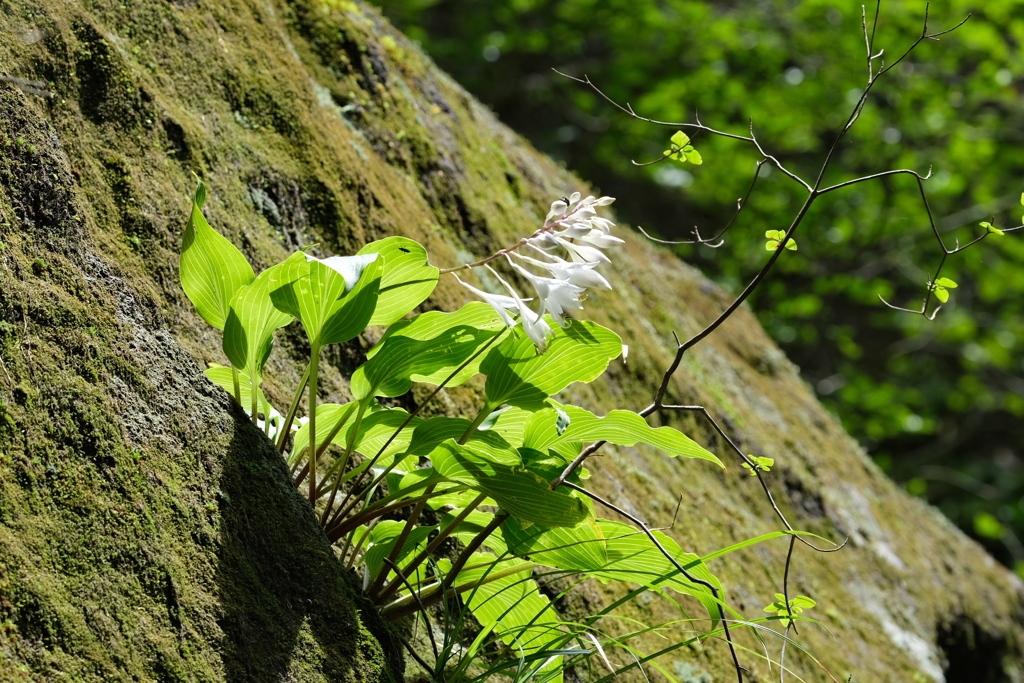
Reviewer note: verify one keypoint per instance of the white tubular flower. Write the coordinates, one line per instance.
(600, 239)
(534, 325)
(579, 274)
(499, 302)
(556, 296)
(557, 210)
(582, 253)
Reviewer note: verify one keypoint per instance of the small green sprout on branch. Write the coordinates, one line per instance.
(758, 463)
(682, 151)
(939, 287)
(991, 229)
(788, 611)
(776, 238)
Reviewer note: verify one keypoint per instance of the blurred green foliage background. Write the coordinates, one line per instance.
(939, 405)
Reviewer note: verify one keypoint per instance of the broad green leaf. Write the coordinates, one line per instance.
(802, 601)
(946, 282)
(517, 376)
(632, 557)
(428, 348)
(471, 526)
(620, 427)
(775, 234)
(222, 377)
(519, 492)
(579, 550)
(791, 244)
(212, 269)
(680, 139)
(941, 294)
(510, 603)
(509, 422)
(249, 328)
(375, 429)
(431, 433)
(383, 538)
(693, 156)
(407, 278)
(334, 298)
(328, 418)
(989, 228)
(771, 245)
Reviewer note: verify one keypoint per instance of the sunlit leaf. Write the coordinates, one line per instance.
(250, 325)
(620, 427)
(383, 538)
(212, 269)
(407, 278)
(519, 492)
(517, 375)
(428, 348)
(222, 377)
(334, 298)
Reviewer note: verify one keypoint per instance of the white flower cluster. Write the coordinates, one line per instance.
(574, 229)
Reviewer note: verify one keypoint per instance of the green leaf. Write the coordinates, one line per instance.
(407, 278)
(328, 417)
(510, 423)
(222, 376)
(433, 432)
(428, 348)
(383, 538)
(763, 464)
(941, 294)
(517, 376)
(578, 550)
(987, 525)
(991, 229)
(791, 244)
(620, 427)
(693, 156)
(771, 245)
(945, 282)
(775, 234)
(212, 269)
(519, 492)
(803, 602)
(333, 298)
(249, 328)
(680, 139)
(507, 600)
(632, 557)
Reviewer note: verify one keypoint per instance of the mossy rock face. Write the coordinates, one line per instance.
(148, 532)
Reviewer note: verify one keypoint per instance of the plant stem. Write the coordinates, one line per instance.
(314, 367)
(442, 535)
(255, 401)
(398, 611)
(365, 493)
(290, 417)
(392, 558)
(354, 434)
(234, 381)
